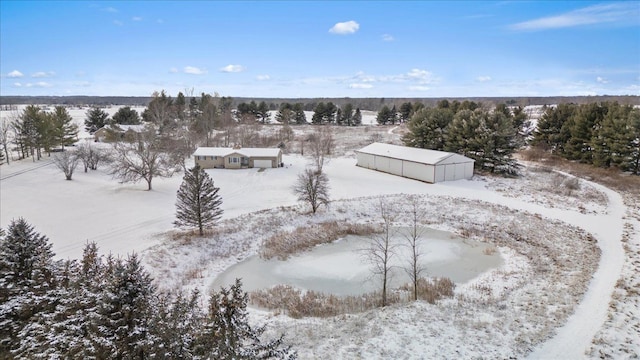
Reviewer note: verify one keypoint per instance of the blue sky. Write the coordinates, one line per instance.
(320, 49)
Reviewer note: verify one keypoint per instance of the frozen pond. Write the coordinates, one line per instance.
(341, 268)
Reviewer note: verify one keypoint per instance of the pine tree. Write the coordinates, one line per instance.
(126, 116)
(64, 130)
(428, 128)
(26, 277)
(227, 334)
(124, 310)
(384, 115)
(198, 203)
(174, 326)
(357, 117)
(300, 117)
(96, 119)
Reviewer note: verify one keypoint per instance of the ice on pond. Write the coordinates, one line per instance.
(342, 268)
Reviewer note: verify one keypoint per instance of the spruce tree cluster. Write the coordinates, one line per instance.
(198, 203)
(108, 308)
(604, 134)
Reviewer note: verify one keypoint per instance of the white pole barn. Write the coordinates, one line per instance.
(431, 166)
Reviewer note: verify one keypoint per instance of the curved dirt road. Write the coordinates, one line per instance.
(573, 339)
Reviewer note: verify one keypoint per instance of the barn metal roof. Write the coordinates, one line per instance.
(249, 152)
(423, 156)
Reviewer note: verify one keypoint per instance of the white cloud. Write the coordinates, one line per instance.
(173, 70)
(263, 77)
(81, 84)
(232, 68)
(160, 21)
(110, 9)
(602, 80)
(17, 84)
(422, 76)
(360, 86)
(43, 74)
(194, 70)
(40, 84)
(136, 18)
(483, 78)
(618, 13)
(118, 22)
(15, 74)
(343, 28)
(418, 88)
(387, 37)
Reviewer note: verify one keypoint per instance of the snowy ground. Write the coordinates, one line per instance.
(508, 312)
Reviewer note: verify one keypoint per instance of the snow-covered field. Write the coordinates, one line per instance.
(558, 295)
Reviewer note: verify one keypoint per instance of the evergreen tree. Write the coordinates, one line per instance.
(428, 128)
(262, 111)
(26, 277)
(174, 326)
(406, 111)
(227, 334)
(126, 116)
(96, 119)
(198, 203)
(631, 160)
(124, 311)
(384, 115)
(180, 105)
(580, 129)
(285, 114)
(551, 133)
(347, 115)
(357, 117)
(393, 117)
(65, 132)
(319, 113)
(300, 117)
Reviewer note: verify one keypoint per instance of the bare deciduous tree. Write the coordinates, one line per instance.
(413, 237)
(312, 187)
(90, 156)
(141, 160)
(4, 138)
(66, 162)
(381, 249)
(321, 143)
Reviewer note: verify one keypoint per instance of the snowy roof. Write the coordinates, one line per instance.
(224, 151)
(423, 156)
(136, 128)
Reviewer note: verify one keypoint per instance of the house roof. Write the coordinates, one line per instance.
(135, 128)
(424, 156)
(249, 152)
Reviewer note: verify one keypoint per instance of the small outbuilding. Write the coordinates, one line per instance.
(237, 157)
(431, 166)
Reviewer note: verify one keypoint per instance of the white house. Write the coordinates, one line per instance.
(420, 164)
(237, 157)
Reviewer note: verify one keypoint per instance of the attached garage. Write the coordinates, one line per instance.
(420, 164)
(262, 163)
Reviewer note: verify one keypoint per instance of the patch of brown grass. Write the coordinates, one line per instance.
(297, 304)
(283, 244)
(609, 177)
